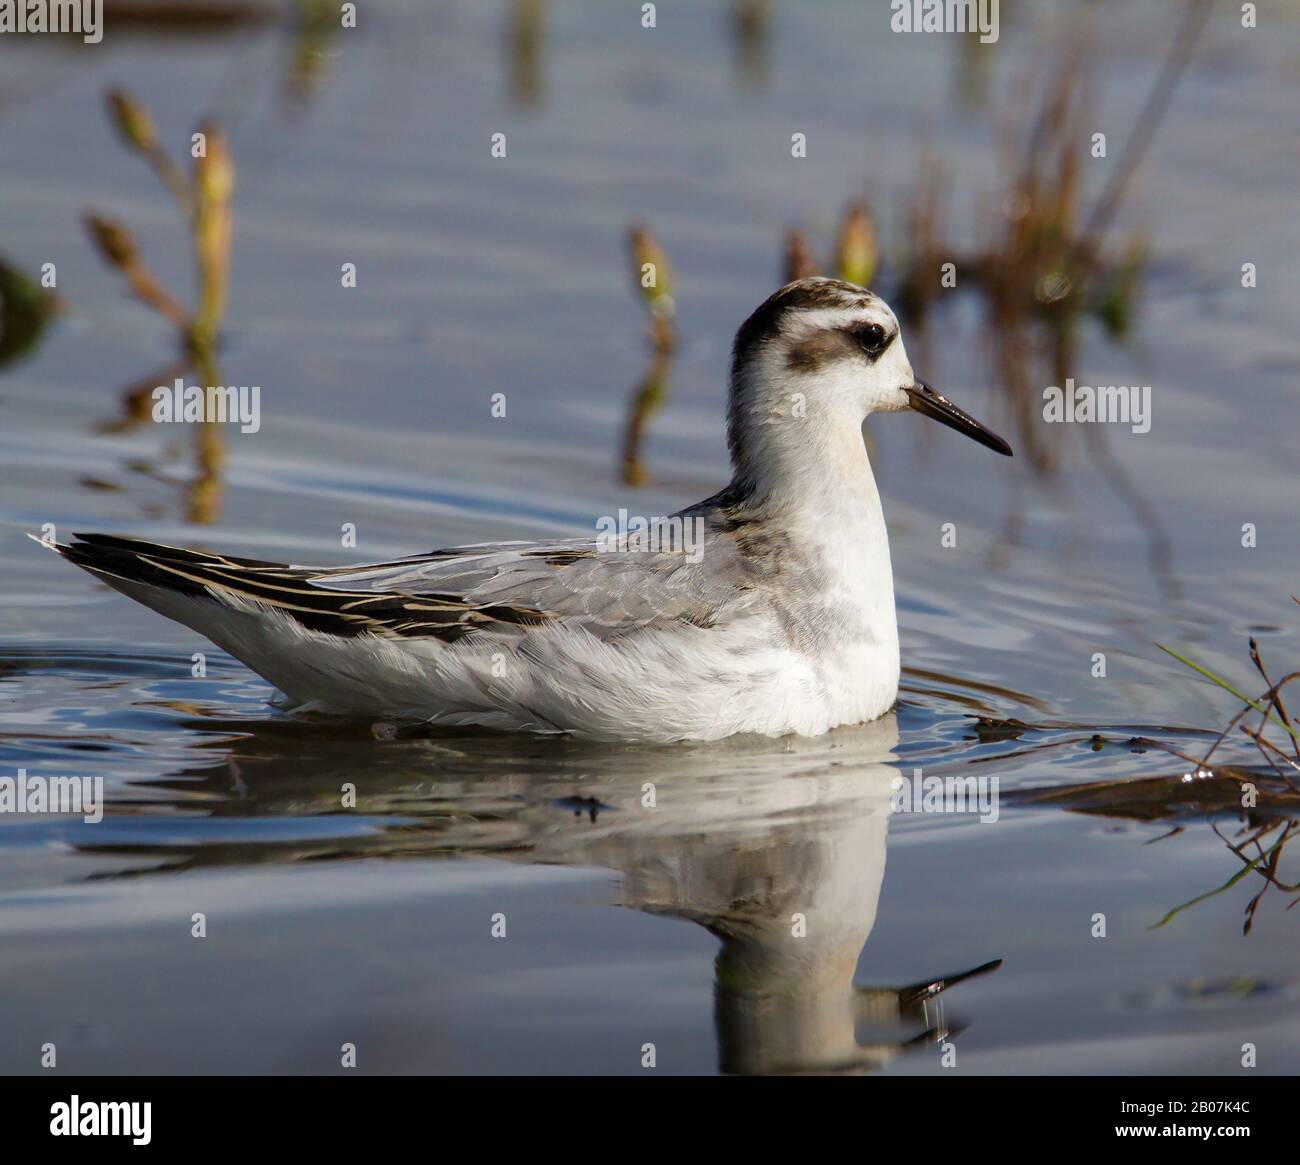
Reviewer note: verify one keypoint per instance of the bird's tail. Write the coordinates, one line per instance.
(195, 586)
(262, 613)
(127, 564)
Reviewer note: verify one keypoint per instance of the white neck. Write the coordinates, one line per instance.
(810, 476)
(798, 455)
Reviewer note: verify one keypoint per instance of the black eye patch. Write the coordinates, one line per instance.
(830, 345)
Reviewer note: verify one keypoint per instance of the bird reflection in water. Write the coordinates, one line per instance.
(776, 848)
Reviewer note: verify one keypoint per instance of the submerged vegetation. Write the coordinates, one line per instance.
(652, 275)
(1270, 796)
(26, 309)
(203, 198)
(1261, 795)
(1043, 264)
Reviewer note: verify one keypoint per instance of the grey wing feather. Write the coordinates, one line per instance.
(499, 589)
(608, 592)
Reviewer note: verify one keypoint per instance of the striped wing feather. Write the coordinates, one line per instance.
(495, 589)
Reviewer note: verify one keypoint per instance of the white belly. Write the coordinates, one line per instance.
(680, 683)
(684, 684)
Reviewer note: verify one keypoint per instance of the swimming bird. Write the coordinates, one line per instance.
(777, 619)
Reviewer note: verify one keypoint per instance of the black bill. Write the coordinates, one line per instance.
(925, 400)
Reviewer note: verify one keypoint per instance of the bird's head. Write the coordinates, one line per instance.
(828, 347)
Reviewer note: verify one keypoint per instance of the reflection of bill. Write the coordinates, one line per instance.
(784, 865)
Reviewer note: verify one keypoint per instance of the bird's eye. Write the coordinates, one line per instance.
(871, 337)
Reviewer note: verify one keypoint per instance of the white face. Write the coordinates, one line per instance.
(850, 356)
(837, 346)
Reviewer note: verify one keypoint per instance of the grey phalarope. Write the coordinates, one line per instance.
(782, 622)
